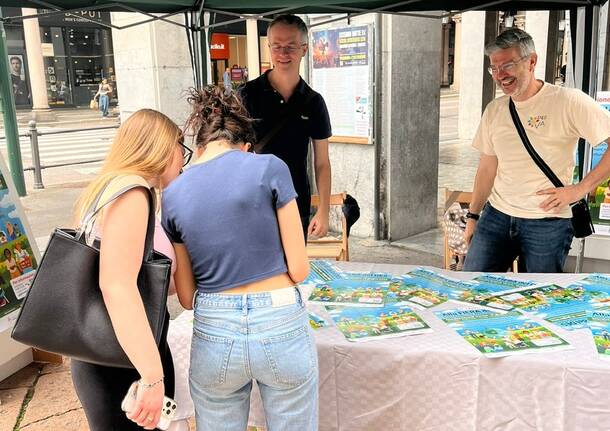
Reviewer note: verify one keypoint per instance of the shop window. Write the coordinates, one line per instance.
(55, 60)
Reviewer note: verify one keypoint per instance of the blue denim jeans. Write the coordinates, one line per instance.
(541, 244)
(241, 338)
(104, 101)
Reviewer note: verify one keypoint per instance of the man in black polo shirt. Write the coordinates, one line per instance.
(280, 96)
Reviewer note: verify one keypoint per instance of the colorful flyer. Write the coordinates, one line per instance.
(321, 271)
(365, 324)
(425, 288)
(496, 334)
(489, 287)
(350, 292)
(568, 306)
(599, 322)
(366, 276)
(409, 289)
(542, 298)
(499, 284)
(18, 256)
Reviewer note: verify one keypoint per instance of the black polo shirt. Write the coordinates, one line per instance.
(291, 143)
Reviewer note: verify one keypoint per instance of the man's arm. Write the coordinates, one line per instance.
(483, 182)
(318, 226)
(558, 198)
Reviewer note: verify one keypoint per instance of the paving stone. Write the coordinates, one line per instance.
(73, 420)
(56, 368)
(23, 378)
(54, 395)
(11, 401)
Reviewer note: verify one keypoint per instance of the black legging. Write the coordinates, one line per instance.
(101, 389)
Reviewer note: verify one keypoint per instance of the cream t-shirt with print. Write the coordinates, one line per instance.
(554, 119)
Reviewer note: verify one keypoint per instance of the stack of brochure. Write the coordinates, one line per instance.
(502, 334)
(364, 324)
(360, 304)
(599, 322)
(370, 305)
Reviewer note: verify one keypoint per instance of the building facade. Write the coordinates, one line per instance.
(77, 54)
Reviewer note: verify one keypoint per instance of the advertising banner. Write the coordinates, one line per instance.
(600, 208)
(342, 72)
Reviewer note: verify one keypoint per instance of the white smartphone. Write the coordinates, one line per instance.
(168, 409)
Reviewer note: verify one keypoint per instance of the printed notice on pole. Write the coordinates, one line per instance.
(341, 72)
(600, 207)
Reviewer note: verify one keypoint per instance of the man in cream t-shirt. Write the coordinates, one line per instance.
(515, 210)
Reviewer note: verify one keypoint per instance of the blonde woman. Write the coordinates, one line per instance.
(147, 150)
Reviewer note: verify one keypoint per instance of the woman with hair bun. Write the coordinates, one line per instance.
(240, 252)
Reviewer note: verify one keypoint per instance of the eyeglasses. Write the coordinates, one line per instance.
(290, 49)
(187, 153)
(506, 66)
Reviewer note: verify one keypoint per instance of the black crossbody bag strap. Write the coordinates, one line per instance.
(581, 217)
(530, 149)
(293, 109)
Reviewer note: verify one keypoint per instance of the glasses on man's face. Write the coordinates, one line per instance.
(506, 67)
(289, 49)
(187, 153)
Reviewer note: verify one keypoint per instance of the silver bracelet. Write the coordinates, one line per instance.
(150, 385)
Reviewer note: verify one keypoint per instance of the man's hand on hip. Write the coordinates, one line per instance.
(470, 225)
(560, 197)
(318, 226)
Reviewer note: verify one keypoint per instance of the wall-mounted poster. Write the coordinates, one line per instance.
(600, 208)
(21, 93)
(18, 257)
(341, 65)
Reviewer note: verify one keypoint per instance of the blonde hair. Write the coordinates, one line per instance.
(144, 145)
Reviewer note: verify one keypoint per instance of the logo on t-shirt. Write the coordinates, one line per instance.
(536, 121)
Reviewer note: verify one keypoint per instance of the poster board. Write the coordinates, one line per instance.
(19, 259)
(342, 72)
(600, 207)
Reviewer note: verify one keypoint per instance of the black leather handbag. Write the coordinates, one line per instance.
(582, 225)
(64, 311)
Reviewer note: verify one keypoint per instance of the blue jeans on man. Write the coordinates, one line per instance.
(542, 245)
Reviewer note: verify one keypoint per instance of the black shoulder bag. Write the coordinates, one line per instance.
(64, 311)
(292, 110)
(581, 217)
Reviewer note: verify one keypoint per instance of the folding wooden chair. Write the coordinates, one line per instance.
(330, 247)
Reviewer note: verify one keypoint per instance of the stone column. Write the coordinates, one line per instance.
(457, 52)
(410, 117)
(38, 85)
(471, 73)
(254, 65)
(153, 66)
(537, 25)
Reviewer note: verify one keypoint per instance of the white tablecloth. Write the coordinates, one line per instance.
(437, 381)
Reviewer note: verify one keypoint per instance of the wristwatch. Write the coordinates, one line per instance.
(472, 215)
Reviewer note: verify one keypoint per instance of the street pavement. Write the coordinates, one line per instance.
(40, 397)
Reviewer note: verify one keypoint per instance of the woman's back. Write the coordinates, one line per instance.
(224, 211)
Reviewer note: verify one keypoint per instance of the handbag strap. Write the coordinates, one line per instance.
(113, 190)
(530, 149)
(291, 111)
